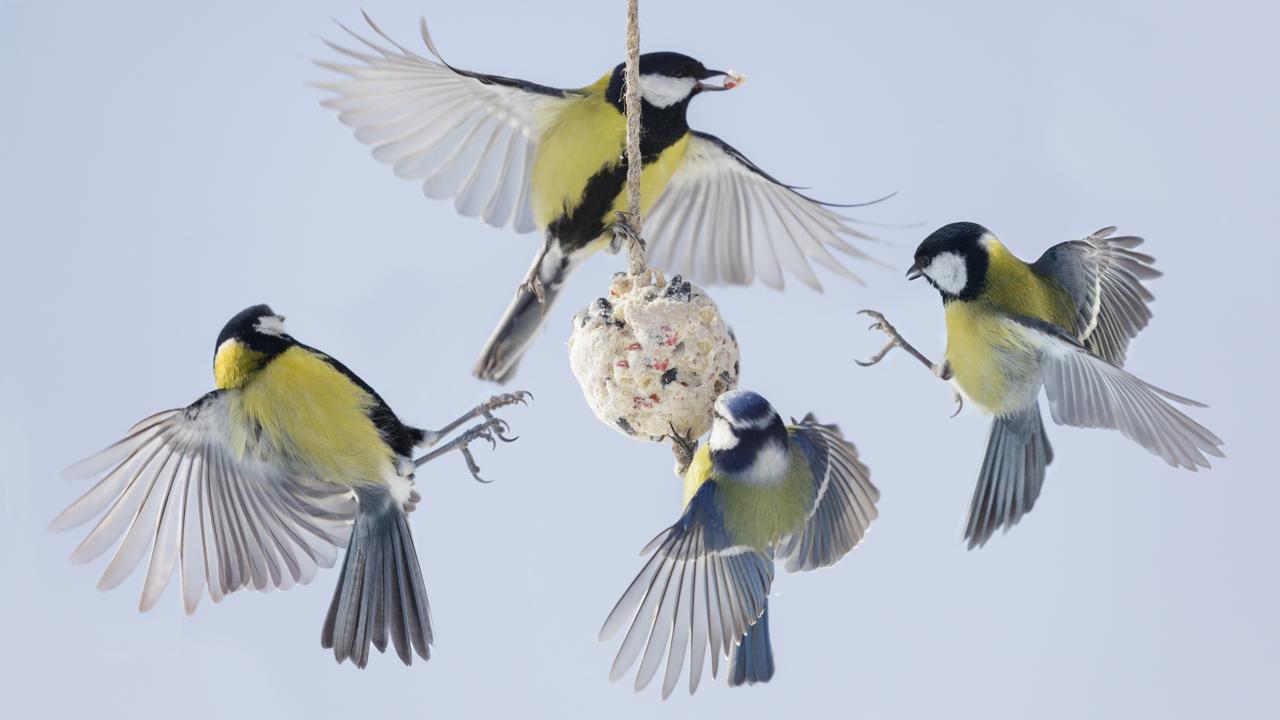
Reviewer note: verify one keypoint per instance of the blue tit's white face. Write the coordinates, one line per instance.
(748, 438)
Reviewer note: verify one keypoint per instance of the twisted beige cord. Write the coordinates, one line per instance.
(635, 163)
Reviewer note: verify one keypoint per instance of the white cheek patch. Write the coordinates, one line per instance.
(663, 91)
(722, 438)
(270, 325)
(948, 272)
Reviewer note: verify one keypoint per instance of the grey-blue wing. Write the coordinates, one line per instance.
(698, 590)
(844, 498)
(1104, 276)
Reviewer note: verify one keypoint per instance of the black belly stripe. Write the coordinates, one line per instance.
(662, 129)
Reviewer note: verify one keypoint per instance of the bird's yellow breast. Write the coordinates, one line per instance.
(993, 361)
(757, 515)
(698, 473)
(578, 140)
(299, 407)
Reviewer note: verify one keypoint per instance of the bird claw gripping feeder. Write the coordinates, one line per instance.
(651, 356)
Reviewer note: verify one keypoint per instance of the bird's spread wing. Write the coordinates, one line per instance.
(175, 488)
(1086, 391)
(699, 589)
(1104, 276)
(465, 135)
(845, 500)
(722, 219)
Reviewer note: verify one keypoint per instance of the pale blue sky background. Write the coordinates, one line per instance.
(162, 167)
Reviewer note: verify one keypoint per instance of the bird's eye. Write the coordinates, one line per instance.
(678, 73)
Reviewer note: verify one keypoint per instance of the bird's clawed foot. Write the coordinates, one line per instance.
(883, 325)
(624, 235)
(492, 429)
(484, 410)
(683, 446)
(941, 370)
(533, 284)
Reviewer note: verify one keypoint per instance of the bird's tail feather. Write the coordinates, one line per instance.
(380, 592)
(753, 657)
(524, 316)
(1011, 477)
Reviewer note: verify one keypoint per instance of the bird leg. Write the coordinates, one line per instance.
(533, 281)
(941, 370)
(484, 409)
(683, 447)
(492, 429)
(624, 235)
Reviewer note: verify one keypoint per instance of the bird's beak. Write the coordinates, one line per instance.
(731, 80)
(915, 271)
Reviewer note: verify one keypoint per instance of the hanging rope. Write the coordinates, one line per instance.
(635, 163)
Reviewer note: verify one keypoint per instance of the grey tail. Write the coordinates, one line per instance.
(753, 657)
(525, 315)
(1011, 477)
(380, 591)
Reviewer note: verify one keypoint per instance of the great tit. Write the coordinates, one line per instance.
(1062, 323)
(257, 483)
(759, 490)
(534, 157)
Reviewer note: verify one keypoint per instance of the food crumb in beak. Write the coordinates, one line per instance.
(733, 79)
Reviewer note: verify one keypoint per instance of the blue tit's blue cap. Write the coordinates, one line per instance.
(744, 407)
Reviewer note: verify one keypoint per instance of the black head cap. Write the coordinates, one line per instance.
(954, 260)
(258, 328)
(668, 64)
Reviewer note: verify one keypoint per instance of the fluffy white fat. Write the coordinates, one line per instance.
(664, 91)
(948, 272)
(270, 325)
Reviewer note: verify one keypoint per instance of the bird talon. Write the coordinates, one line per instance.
(534, 285)
(683, 446)
(472, 466)
(623, 234)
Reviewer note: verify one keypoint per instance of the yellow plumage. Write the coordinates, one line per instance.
(699, 472)
(758, 515)
(984, 348)
(305, 409)
(234, 363)
(579, 139)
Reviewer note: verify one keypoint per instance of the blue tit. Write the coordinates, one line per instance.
(516, 153)
(759, 490)
(259, 482)
(1062, 323)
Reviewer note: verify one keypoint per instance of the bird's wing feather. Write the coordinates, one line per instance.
(844, 501)
(465, 135)
(174, 486)
(1085, 390)
(1104, 276)
(698, 590)
(721, 219)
